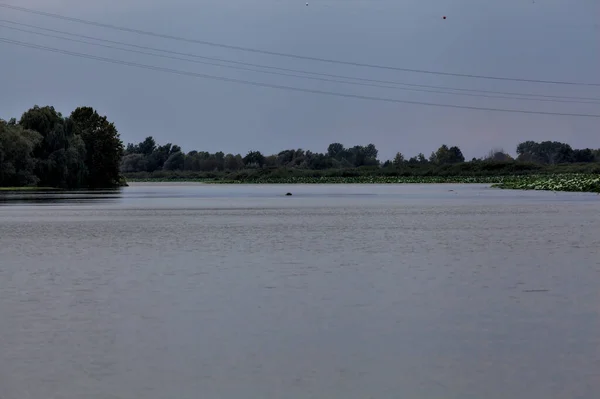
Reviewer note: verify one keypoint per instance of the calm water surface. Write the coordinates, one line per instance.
(200, 291)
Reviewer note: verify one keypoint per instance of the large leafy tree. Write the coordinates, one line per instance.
(254, 159)
(585, 155)
(54, 158)
(233, 162)
(103, 146)
(547, 152)
(335, 150)
(398, 159)
(176, 161)
(445, 155)
(17, 164)
(147, 146)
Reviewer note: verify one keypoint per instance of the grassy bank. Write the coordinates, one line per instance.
(484, 171)
(368, 180)
(515, 175)
(337, 180)
(582, 182)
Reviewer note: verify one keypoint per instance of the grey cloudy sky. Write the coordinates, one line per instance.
(533, 39)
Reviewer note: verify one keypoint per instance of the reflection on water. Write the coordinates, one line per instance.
(49, 197)
(199, 194)
(354, 292)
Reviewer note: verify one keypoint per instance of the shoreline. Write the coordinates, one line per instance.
(333, 180)
(589, 183)
(564, 182)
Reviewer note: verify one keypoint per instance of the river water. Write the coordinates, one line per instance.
(162, 291)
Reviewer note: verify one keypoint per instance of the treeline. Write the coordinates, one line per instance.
(147, 158)
(554, 152)
(45, 149)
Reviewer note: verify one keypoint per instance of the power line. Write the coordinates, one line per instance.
(282, 87)
(288, 55)
(585, 99)
(296, 76)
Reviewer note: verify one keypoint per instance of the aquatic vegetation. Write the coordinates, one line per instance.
(366, 180)
(572, 182)
(550, 182)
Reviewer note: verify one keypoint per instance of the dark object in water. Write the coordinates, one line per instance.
(288, 194)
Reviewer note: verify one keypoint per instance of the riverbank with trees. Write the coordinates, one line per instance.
(577, 182)
(84, 150)
(535, 163)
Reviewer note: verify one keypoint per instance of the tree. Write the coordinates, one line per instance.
(148, 146)
(103, 145)
(433, 157)
(356, 155)
(254, 159)
(132, 149)
(322, 161)
(285, 157)
(175, 148)
(546, 152)
(584, 156)
(175, 161)
(420, 159)
(497, 155)
(17, 164)
(456, 155)
(398, 159)
(445, 155)
(43, 120)
(441, 156)
(233, 162)
(361, 156)
(220, 160)
(133, 163)
(271, 161)
(50, 152)
(371, 152)
(335, 150)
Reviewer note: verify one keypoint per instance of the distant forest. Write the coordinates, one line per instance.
(84, 150)
(149, 157)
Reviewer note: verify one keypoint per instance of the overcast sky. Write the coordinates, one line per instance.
(532, 39)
